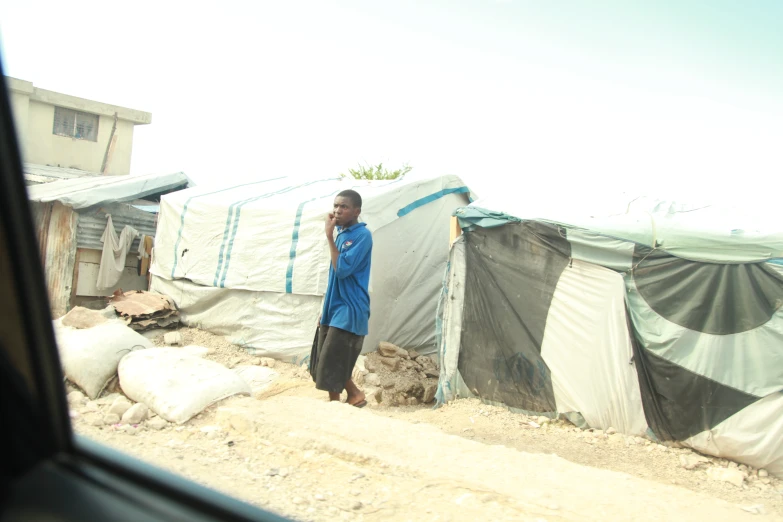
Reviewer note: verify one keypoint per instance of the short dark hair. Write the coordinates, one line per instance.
(354, 196)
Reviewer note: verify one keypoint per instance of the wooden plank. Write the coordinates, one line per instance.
(145, 261)
(110, 147)
(454, 231)
(75, 277)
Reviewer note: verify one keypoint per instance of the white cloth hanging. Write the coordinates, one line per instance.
(115, 250)
(141, 250)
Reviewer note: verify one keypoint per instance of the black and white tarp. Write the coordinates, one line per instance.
(555, 319)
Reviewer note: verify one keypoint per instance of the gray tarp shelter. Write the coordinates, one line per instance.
(251, 262)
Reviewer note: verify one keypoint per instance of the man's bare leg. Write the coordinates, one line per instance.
(334, 396)
(355, 395)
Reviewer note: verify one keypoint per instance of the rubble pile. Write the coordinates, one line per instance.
(116, 410)
(394, 376)
(719, 469)
(145, 310)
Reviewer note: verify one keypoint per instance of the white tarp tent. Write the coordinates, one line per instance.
(251, 261)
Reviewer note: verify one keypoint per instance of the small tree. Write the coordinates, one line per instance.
(377, 172)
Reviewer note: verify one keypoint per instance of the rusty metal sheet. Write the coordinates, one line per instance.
(59, 257)
(140, 304)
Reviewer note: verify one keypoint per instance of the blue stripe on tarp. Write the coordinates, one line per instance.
(185, 211)
(429, 199)
(237, 217)
(229, 217)
(289, 274)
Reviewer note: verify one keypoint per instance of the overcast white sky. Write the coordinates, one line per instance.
(655, 97)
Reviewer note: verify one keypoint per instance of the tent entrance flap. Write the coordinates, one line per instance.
(505, 312)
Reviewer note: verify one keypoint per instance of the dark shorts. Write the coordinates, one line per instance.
(333, 357)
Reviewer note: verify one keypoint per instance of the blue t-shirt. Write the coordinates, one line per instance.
(347, 299)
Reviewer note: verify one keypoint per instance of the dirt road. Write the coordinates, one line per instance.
(292, 452)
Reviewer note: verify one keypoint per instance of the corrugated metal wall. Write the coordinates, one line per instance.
(60, 231)
(92, 224)
(42, 214)
(59, 257)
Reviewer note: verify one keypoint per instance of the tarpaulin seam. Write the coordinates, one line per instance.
(429, 199)
(440, 341)
(229, 218)
(226, 232)
(237, 217)
(185, 210)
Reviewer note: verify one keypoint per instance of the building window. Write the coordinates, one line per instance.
(75, 124)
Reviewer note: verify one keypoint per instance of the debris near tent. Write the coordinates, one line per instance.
(398, 377)
(145, 310)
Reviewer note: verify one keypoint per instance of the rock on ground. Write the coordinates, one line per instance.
(691, 461)
(390, 350)
(429, 393)
(136, 414)
(392, 363)
(731, 475)
(119, 406)
(157, 423)
(372, 379)
(76, 398)
(173, 338)
(404, 381)
(268, 361)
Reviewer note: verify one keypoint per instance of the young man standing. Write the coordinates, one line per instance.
(346, 310)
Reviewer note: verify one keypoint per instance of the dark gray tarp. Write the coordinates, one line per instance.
(678, 403)
(511, 275)
(711, 298)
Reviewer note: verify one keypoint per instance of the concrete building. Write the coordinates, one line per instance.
(60, 130)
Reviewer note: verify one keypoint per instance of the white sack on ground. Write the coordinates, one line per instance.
(90, 356)
(115, 250)
(175, 385)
